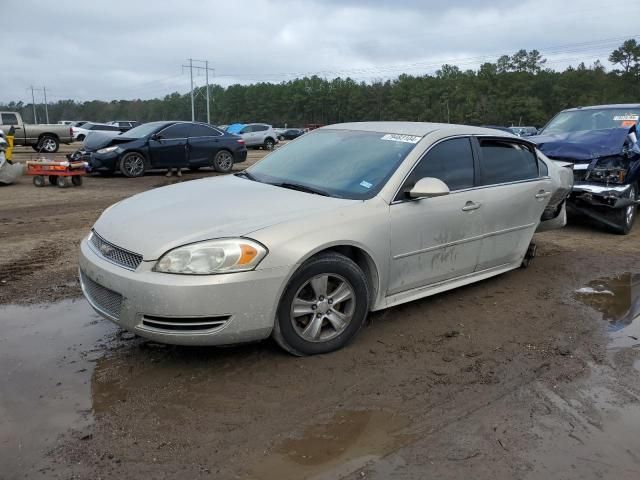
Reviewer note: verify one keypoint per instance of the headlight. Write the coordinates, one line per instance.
(108, 149)
(607, 175)
(212, 256)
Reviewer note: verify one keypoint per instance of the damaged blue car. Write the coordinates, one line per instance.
(602, 143)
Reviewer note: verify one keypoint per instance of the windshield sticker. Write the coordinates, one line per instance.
(627, 117)
(365, 184)
(396, 137)
(628, 123)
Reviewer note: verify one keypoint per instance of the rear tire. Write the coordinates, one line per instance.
(53, 179)
(335, 291)
(63, 182)
(39, 181)
(269, 144)
(223, 161)
(76, 180)
(81, 138)
(624, 218)
(48, 144)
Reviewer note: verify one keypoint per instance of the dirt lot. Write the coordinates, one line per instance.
(533, 374)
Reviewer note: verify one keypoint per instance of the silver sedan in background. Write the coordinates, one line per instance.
(348, 219)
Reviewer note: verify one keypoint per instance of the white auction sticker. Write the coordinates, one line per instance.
(626, 117)
(396, 137)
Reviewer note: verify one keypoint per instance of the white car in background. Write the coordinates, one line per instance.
(80, 133)
(259, 135)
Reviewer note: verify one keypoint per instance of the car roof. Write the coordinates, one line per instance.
(605, 107)
(417, 128)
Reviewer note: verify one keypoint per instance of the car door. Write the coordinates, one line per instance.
(168, 147)
(203, 143)
(436, 239)
(513, 195)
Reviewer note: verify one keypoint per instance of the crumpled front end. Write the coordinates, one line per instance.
(606, 165)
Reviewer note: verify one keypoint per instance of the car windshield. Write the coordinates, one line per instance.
(339, 163)
(144, 129)
(591, 119)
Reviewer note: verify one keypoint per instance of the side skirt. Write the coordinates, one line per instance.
(432, 289)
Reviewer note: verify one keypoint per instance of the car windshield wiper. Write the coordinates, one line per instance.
(303, 188)
(247, 175)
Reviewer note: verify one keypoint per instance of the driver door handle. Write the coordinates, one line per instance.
(469, 206)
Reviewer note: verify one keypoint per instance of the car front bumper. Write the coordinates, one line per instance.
(183, 309)
(601, 195)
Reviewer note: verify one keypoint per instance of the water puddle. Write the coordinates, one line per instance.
(618, 299)
(346, 442)
(47, 354)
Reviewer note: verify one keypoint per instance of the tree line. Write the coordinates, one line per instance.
(517, 89)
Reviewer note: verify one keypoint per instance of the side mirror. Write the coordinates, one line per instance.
(156, 137)
(429, 187)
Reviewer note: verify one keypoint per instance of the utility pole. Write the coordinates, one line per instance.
(33, 103)
(46, 108)
(193, 107)
(198, 68)
(206, 74)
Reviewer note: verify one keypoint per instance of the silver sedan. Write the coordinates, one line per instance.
(345, 220)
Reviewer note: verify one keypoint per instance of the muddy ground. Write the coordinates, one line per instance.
(533, 374)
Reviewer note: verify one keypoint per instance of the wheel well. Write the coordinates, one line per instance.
(364, 261)
(269, 138)
(47, 134)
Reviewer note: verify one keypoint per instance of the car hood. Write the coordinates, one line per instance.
(583, 146)
(97, 139)
(156, 221)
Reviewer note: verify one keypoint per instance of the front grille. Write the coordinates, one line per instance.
(579, 175)
(184, 324)
(104, 299)
(115, 254)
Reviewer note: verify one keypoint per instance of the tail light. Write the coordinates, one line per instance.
(71, 131)
(240, 141)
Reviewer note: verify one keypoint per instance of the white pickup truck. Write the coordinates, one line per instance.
(42, 137)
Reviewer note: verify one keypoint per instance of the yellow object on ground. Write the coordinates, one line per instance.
(9, 153)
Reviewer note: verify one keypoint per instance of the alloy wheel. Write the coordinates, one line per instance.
(323, 307)
(133, 165)
(225, 161)
(49, 145)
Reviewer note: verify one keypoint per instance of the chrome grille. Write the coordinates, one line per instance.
(113, 253)
(102, 298)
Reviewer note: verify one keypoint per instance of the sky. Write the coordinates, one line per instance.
(85, 50)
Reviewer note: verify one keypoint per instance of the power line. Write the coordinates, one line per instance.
(198, 68)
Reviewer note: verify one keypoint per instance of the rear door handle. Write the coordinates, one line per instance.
(542, 194)
(469, 206)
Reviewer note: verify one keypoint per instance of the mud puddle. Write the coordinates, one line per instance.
(618, 299)
(47, 355)
(346, 442)
(591, 431)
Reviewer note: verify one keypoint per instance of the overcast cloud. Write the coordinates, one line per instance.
(135, 49)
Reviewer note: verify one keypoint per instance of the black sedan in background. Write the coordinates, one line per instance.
(163, 145)
(291, 133)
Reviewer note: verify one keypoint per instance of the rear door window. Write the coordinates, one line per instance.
(202, 131)
(179, 130)
(450, 161)
(504, 162)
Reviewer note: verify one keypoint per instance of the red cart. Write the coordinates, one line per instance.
(64, 174)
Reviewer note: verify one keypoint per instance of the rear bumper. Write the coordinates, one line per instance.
(240, 156)
(600, 195)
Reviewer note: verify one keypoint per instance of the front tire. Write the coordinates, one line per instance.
(223, 161)
(323, 307)
(624, 218)
(133, 165)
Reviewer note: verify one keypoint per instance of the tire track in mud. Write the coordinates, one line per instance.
(36, 260)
